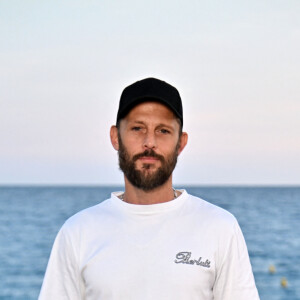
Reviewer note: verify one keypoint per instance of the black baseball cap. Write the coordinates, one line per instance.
(150, 89)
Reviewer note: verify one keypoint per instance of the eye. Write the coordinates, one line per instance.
(136, 128)
(164, 131)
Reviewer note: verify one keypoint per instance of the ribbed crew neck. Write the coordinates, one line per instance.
(149, 208)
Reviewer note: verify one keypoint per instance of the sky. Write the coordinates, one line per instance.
(64, 65)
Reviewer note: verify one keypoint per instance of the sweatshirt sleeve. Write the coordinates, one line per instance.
(62, 279)
(234, 278)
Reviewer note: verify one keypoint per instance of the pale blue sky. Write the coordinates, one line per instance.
(64, 65)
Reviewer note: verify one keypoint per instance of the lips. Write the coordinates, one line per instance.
(148, 159)
(148, 156)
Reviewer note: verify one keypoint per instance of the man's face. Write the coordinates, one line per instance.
(145, 178)
(148, 145)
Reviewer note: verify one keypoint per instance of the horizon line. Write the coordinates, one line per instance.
(191, 185)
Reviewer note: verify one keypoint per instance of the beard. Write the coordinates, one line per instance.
(143, 179)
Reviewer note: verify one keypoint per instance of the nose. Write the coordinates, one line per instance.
(150, 141)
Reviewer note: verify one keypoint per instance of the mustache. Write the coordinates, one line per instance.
(148, 153)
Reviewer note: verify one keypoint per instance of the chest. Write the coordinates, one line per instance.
(150, 260)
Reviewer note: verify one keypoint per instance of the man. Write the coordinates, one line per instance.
(152, 241)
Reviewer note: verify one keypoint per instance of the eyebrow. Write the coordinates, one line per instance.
(139, 122)
(158, 126)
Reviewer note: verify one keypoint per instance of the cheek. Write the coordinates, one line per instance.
(132, 148)
(131, 138)
(169, 147)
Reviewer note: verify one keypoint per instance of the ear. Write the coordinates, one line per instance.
(183, 141)
(114, 137)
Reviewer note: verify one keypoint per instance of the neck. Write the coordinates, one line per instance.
(161, 194)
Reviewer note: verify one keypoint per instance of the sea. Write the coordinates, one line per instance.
(30, 217)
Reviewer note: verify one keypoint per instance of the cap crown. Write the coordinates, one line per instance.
(150, 89)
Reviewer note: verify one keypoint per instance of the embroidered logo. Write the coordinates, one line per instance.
(185, 258)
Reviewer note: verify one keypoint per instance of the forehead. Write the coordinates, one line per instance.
(151, 109)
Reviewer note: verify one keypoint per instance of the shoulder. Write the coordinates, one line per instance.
(209, 209)
(219, 224)
(88, 217)
(213, 215)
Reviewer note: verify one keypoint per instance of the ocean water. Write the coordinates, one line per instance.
(31, 216)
